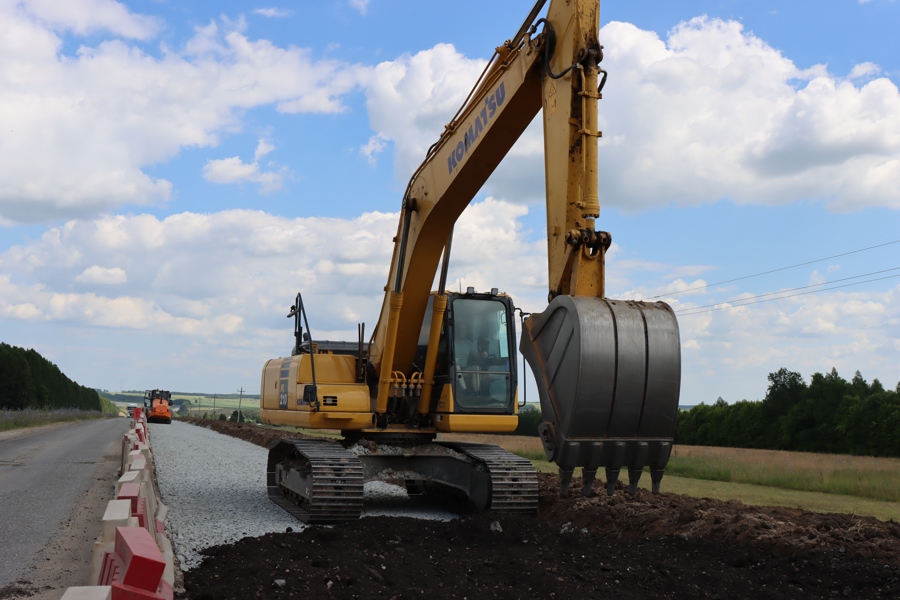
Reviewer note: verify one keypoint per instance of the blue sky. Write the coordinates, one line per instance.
(176, 172)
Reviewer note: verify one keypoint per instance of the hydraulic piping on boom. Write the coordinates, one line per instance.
(608, 371)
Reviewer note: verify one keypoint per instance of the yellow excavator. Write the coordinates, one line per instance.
(608, 372)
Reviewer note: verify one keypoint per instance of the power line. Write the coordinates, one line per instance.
(687, 313)
(700, 287)
(805, 287)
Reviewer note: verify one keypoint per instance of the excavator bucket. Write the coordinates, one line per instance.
(609, 374)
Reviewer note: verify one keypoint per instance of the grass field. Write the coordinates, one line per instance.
(865, 477)
(818, 482)
(219, 405)
(31, 417)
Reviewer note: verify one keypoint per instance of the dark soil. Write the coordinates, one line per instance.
(645, 546)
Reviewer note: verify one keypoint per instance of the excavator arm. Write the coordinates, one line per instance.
(551, 62)
(504, 102)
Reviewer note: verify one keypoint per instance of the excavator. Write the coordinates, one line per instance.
(608, 372)
(158, 404)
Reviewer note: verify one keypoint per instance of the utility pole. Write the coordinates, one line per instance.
(240, 397)
(214, 406)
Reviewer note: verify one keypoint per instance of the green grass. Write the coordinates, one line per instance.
(864, 477)
(29, 417)
(699, 468)
(770, 496)
(200, 405)
(535, 456)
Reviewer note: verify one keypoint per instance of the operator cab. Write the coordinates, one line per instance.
(476, 352)
(152, 395)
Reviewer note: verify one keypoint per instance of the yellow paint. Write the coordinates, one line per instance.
(479, 423)
(316, 420)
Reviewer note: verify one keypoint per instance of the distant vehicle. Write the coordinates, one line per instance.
(130, 409)
(158, 404)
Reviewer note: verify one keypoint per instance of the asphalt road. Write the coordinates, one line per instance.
(44, 472)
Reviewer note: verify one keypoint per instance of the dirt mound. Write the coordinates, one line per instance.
(645, 546)
(267, 438)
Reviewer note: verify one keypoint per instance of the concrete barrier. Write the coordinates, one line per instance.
(93, 592)
(133, 557)
(135, 567)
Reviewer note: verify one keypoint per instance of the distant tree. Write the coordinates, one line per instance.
(529, 419)
(28, 380)
(830, 415)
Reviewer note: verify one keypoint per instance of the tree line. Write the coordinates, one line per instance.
(830, 414)
(28, 380)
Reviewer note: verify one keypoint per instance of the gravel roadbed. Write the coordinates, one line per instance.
(215, 488)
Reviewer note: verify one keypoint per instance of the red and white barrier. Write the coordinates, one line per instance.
(136, 567)
(133, 557)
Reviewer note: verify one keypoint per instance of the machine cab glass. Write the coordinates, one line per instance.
(483, 372)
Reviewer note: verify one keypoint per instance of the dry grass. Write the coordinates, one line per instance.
(817, 482)
(523, 445)
(866, 477)
(791, 461)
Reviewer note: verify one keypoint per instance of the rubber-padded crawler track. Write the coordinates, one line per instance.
(514, 486)
(336, 488)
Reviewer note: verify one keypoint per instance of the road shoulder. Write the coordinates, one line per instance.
(66, 560)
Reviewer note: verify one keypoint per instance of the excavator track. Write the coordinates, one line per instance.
(316, 481)
(514, 486)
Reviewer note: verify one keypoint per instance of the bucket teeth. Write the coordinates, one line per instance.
(587, 476)
(612, 475)
(565, 478)
(656, 476)
(634, 476)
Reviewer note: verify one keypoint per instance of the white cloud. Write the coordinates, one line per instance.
(83, 128)
(717, 113)
(229, 170)
(361, 5)
(212, 290)
(262, 148)
(741, 345)
(711, 112)
(234, 170)
(224, 281)
(273, 13)
(864, 70)
(238, 270)
(410, 99)
(102, 275)
(373, 148)
(84, 17)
